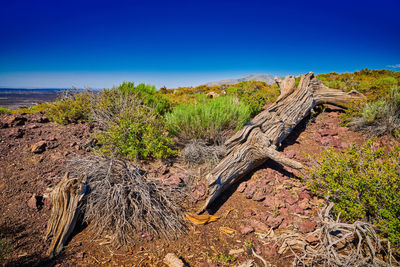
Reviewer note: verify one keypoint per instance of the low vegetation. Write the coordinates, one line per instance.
(363, 182)
(132, 130)
(381, 117)
(71, 107)
(208, 119)
(124, 204)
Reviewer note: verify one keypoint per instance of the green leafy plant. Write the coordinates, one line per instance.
(207, 119)
(131, 129)
(148, 95)
(4, 110)
(363, 182)
(382, 116)
(71, 107)
(222, 257)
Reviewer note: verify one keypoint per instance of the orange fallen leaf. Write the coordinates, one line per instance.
(201, 219)
(227, 230)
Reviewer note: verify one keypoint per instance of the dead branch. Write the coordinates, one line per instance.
(259, 139)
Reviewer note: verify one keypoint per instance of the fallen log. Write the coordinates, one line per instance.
(65, 198)
(260, 138)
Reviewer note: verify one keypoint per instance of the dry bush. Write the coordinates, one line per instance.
(338, 244)
(381, 117)
(124, 204)
(197, 152)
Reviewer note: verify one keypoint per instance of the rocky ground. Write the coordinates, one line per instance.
(272, 201)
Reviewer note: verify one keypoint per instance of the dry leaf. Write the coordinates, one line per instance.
(201, 219)
(227, 230)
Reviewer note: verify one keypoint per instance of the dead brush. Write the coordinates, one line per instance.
(338, 244)
(197, 152)
(124, 204)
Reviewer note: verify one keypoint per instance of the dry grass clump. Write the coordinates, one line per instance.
(125, 205)
(197, 152)
(381, 117)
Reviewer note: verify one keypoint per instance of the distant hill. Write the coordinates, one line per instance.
(269, 79)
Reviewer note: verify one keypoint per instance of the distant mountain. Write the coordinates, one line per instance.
(269, 79)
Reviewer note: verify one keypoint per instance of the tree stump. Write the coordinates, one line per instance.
(65, 198)
(260, 138)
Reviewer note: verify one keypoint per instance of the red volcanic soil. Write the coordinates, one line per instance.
(272, 200)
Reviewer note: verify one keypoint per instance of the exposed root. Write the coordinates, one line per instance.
(338, 244)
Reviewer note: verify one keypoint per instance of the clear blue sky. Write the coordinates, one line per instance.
(175, 43)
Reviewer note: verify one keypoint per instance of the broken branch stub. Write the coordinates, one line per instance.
(65, 198)
(259, 139)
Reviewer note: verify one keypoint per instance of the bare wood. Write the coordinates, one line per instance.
(258, 140)
(65, 198)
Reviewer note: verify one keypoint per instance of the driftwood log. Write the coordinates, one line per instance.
(65, 198)
(260, 138)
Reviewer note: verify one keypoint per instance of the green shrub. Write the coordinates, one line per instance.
(373, 111)
(4, 110)
(364, 184)
(131, 130)
(70, 108)
(254, 94)
(381, 117)
(208, 119)
(148, 95)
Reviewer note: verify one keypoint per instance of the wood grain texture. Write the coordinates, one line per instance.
(65, 198)
(259, 139)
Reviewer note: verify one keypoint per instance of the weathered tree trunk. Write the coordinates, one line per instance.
(258, 140)
(65, 198)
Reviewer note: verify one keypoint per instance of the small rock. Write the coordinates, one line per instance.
(284, 211)
(249, 213)
(327, 132)
(342, 130)
(250, 190)
(307, 226)
(296, 209)
(246, 229)
(274, 222)
(32, 202)
(242, 187)
(173, 179)
(171, 260)
(326, 140)
(199, 191)
(290, 154)
(260, 226)
(273, 202)
(39, 147)
(259, 195)
(288, 197)
(304, 195)
(263, 216)
(304, 204)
